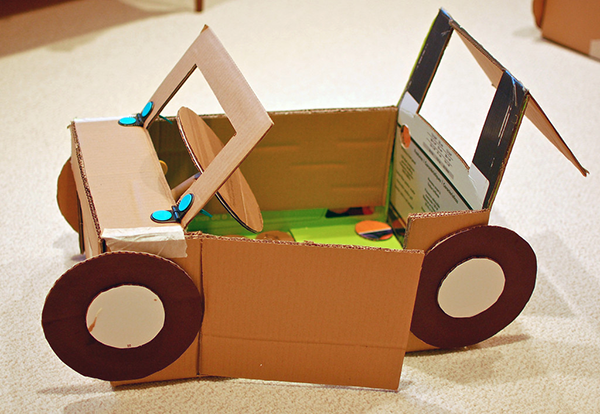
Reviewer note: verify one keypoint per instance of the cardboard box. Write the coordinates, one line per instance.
(327, 307)
(575, 24)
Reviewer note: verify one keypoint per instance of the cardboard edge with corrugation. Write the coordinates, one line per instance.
(91, 229)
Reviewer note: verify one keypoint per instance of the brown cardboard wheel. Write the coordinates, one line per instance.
(517, 260)
(65, 310)
(235, 194)
(66, 196)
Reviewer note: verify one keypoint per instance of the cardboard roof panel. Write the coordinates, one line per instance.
(493, 69)
(440, 182)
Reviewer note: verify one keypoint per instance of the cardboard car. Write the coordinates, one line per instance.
(167, 292)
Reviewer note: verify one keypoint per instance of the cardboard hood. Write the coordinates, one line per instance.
(137, 183)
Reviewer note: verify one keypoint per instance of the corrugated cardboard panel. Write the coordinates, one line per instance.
(123, 172)
(317, 159)
(303, 312)
(310, 159)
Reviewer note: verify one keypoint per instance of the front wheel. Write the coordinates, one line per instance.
(473, 284)
(122, 316)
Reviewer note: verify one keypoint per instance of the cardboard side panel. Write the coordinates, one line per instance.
(303, 312)
(309, 159)
(323, 159)
(187, 364)
(123, 172)
(309, 363)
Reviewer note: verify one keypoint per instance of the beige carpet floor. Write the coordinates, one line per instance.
(96, 58)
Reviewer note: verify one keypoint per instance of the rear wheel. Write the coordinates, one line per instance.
(473, 284)
(122, 316)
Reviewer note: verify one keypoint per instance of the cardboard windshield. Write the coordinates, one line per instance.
(429, 175)
(245, 112)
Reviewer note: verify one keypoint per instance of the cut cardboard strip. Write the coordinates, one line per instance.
(65, 311)
(89, 230)
(428, 62)
(424, 230)
(235, 195)
(499, 133)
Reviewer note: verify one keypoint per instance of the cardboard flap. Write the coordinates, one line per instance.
(537, 116)
(245, 112)
(494, 71)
